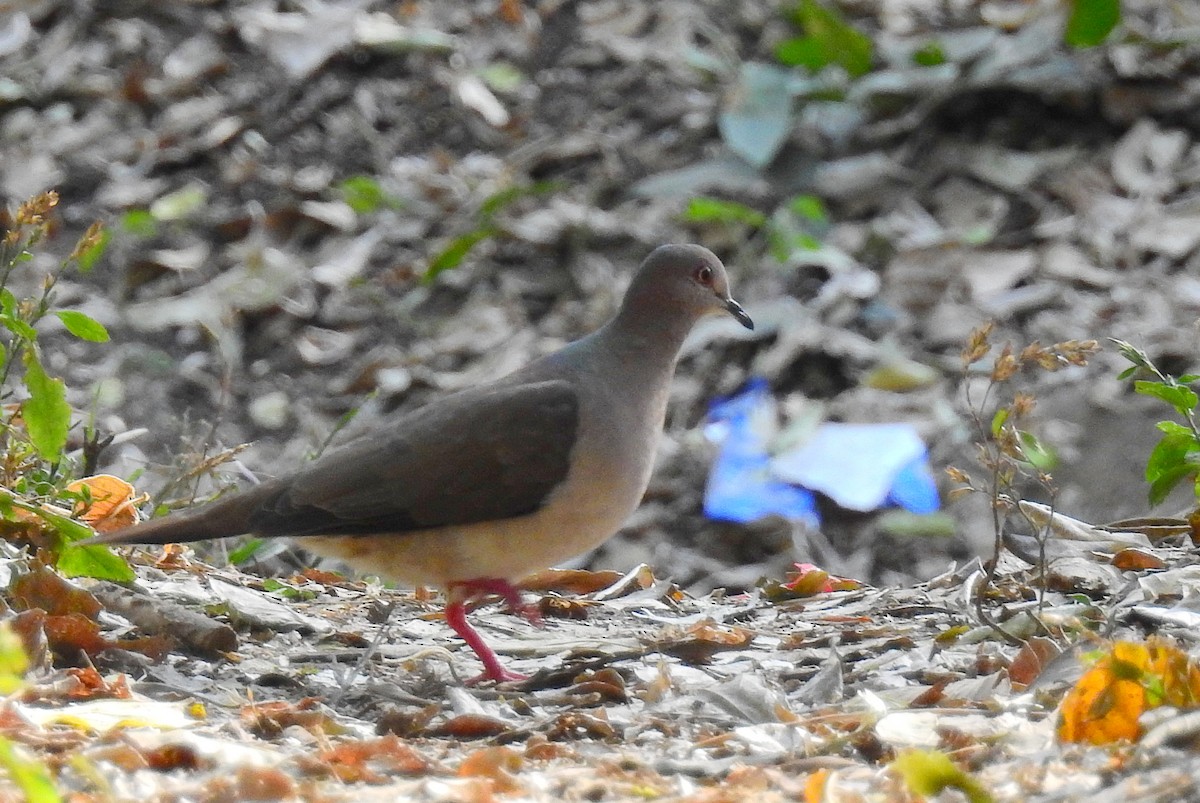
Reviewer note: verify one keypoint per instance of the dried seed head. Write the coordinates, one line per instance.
(978, 344)
(1005, 365)
(958, 475)
(1023, 404)
(33, 212)
(90, 239)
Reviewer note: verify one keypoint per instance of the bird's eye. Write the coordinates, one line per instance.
(704, 275)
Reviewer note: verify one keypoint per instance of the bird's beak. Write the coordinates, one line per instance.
(735, 309)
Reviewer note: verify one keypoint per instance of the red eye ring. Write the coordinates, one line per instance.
(704, 275)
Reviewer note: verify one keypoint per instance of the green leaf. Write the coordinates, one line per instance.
(140, 223)
(809, 207)
(82, 325)
(1177, 429)
(804, 51)
(1091, 21)
(1133, 354)
(828, 39)
(453, 254)
(96, 561)
(998, 420)
(1166, 481)
(1183, 399)
(10, 316)
(46, 412)
(88, 257)
(1041, 456)
(499, 200)
(758, 118)
(930, 772)
(364, 194)
(14, 663)
(27, 774)
(1175, 457)
(929, 55)
(246, 551)
(714, 210)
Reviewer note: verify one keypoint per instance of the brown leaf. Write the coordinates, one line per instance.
(270, 719)
(569, 581)
(374, 760)
(703, 640)
(497, 764)
(1030, 660)
(42, 587)
(471, 726)
(1134, 559)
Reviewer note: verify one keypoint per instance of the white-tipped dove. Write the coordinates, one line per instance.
(482, 487)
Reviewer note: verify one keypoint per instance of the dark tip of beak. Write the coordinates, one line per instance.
(735, 309)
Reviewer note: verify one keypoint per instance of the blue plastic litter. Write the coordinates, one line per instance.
(859, 466)
(740, 486)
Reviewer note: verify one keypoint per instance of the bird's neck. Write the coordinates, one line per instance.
(640, 339)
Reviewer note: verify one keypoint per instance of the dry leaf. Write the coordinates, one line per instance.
(109, 503)
(1126, 681)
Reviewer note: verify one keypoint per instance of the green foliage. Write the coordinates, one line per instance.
(1091, 21)
(931, 772)
(27, 774)
(47, 414)
(1177, 456)
(34, 471)
(703, 209)
(1009, 454)
(365, 195)
(82, 326)
(930, 55)
(454, 252)
(247, 551)
(140, 223)
(14, 663)
(796, 225)
(827, 39)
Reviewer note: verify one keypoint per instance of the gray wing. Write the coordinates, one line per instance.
(484, 454)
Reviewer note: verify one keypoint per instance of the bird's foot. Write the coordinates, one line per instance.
(470, 591)
(467, 591)
(498, 675)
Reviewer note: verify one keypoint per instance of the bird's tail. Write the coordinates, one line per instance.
(228, 516)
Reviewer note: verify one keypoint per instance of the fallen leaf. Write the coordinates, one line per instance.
(107, 503)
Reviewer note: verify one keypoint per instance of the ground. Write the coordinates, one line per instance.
(252, 297)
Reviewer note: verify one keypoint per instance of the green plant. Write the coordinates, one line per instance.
(826, 39)
(1177, 455)
(1089, 22)
(796, 225)
(36, 419)
(485, 226)
(1007, 450)
(28, 774)
(364, 195)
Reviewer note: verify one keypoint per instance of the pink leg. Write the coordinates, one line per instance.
(456, 616)
(503, 589)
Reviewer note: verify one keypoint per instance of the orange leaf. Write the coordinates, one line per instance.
(109, 503)
(1105, 704)
(1132, 559)
(497, 764)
